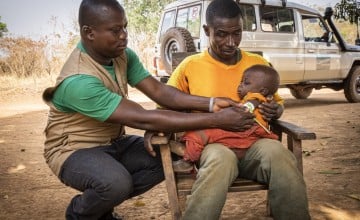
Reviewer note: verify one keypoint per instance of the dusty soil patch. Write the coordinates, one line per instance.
(28, 189)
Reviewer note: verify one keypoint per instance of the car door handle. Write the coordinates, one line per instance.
(311, 51)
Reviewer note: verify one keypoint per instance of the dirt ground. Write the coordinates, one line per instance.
(28, 189)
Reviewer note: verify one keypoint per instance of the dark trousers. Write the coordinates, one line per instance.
(108, 175)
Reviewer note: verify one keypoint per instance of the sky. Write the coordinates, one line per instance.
(35, 18)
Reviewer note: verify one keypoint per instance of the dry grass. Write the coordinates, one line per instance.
(8, 83)
(19, 88)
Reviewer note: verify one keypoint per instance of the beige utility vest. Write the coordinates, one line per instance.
(67, 132)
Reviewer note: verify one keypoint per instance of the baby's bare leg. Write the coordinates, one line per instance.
(180, 165)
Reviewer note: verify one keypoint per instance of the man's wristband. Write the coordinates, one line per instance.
(211, 104)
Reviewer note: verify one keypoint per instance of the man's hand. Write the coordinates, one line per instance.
(147, 142)
(222, 102)
(270, 110)
(235, 119)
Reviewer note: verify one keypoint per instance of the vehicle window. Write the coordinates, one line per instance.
(275, 19)
(248, 12)
(168, 21)
(189, 18)
(181, 18)
(314, 29)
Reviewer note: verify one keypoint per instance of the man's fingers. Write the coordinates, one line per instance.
(269, 110)
(150, 149)
(233, 103)
(147, 143)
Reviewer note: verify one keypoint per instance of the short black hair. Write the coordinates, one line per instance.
(90, 10)
(222, 9)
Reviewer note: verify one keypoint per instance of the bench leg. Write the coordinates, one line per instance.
(295, 146)
(170, 181)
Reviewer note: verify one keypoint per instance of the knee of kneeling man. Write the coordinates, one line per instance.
(118, 191)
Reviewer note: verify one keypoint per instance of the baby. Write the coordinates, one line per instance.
(259, 84)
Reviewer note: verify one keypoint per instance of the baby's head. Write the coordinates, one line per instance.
(259, 79)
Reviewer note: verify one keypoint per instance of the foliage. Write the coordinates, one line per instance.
(143, 15)
(3, 28)
(348, 10)
(24, 57)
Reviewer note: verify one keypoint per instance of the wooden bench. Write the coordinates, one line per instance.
(178, 185)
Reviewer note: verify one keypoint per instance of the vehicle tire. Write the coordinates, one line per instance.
(175, 39)
(301, 93)
(352, 85)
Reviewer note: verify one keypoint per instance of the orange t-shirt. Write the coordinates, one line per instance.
(202, 75)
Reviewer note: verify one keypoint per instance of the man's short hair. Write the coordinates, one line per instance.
(222, 9)
(90, 9)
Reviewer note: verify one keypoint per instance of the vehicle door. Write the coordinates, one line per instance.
(322, 55)
(276, 36)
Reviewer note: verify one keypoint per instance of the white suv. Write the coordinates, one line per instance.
(304, 46)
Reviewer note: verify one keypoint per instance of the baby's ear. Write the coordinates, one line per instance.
(264, 91)
(269, 98)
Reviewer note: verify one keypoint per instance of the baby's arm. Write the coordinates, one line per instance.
(251, 105)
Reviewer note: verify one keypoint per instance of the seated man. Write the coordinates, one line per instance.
(216, 73)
